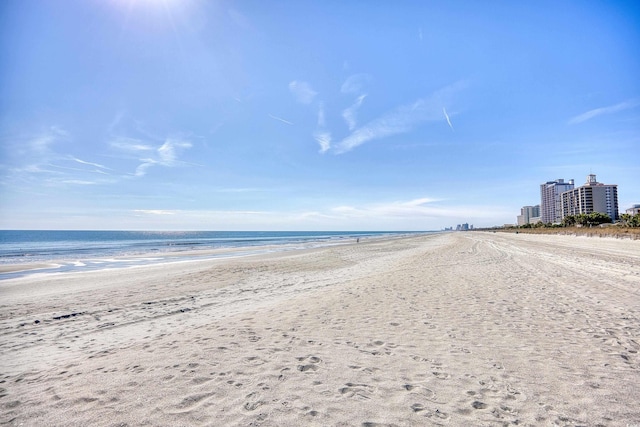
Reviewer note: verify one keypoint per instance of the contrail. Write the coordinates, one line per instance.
(447, 117)
(282, 120)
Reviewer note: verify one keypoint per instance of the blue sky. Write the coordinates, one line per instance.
(310, 115)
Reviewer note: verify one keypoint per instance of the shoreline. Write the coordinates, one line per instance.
(19, 267)
(56, 266)
(452, 328)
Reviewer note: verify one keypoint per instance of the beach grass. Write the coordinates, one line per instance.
(609, 231)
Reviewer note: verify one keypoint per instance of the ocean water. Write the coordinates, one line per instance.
(85, 250)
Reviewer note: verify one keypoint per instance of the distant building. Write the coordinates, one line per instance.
(463, 227)
(550, 203)
(591, 197)
(633, 210)
(529, 215)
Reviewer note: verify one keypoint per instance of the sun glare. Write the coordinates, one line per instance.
(153, 15)
(166, 4)
(150, 1)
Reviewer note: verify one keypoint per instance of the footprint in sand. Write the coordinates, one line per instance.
(417, 407)
(437, 414)
(479, 405)
(191, 402)
(311, 364)
(441, 375)
(360, 391)
(254, 401)
(200, 380)
(423, 392)
(508, 410)
(307, 368)
(282, 376)
(234, 383)
(254, 360)
(364, 369)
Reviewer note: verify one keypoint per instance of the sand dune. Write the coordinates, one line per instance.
(453, 329)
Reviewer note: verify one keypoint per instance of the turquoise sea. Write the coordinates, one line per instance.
(85, 250)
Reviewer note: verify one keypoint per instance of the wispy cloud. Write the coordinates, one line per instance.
(132, 140)
(42, 144)
(142, 169)
(130, 144)
(604, 110)
(349, 114)
(29, 154)
(168, 151)
(155, 212)
(36, 162)
(412, 211)
(419, 202)
(302, 91)
(324, 140)
(322, 121)
(83, 162)
(280, 119)
(355, 83)
(241, 190)
(322, 135)
(444, 110)
(125, 127)
(400, 120)
(410, 214)
(395, 214)
(60, 132)
(167, 155)
(77, 182)
(115, 122)
(77, 169)
(410, 208)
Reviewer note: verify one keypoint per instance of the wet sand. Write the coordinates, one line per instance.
(450, 329)
(10, 268)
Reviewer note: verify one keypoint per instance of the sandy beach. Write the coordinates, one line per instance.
(473, 329)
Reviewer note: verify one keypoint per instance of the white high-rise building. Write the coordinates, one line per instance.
(550, 202)
(529, 215)
(591, 197)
